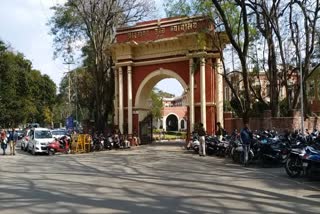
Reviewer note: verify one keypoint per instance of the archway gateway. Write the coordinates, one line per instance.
(180, 48)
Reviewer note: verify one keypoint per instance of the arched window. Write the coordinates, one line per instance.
(182, 124)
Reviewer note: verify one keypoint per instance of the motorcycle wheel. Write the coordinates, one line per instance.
(233, 156)
(50, 153)
(68, 151)
(291, 168)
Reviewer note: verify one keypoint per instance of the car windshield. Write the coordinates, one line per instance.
(58, 132)
(43, 134)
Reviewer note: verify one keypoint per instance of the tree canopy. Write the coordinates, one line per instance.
(89, 26)
(269, 37)
(25, 94)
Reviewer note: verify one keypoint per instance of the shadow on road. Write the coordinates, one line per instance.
(148, 180)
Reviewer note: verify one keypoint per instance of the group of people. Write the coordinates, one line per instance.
(202, 134)
(10, 139)
(246, 138)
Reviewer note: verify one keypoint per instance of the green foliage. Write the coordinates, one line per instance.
(227, 106)
(187, 8)
(92, 24)
(177, 8)
(157, 105)
(284, 108)
(258, 108)
(47, 114)
(236, 106)
(161, 93)
(24, 92)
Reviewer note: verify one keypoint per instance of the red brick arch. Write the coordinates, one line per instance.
(151, 51)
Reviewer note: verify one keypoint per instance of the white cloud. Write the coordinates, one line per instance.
(26, 30)
(23, 25)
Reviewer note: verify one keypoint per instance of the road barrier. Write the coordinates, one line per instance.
(81, 143)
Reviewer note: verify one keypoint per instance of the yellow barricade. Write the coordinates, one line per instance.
(81, 143)
(87, 142)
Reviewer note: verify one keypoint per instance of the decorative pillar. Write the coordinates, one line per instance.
(129, 69)
(116, 99)
(219, 92)
(203, 92)
(164, 126)
(191, 88)
(120, 100)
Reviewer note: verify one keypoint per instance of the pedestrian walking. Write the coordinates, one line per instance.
(202, 139)
(3, 139)
(135, 139)
(220, 131)
(13, 137)
(246, 139)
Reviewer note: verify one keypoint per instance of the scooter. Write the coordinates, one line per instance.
(108, 143)
(62, 145)
(195, 144)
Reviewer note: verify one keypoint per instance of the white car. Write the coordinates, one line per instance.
(58, 133)
(24, 141)
(39, 138)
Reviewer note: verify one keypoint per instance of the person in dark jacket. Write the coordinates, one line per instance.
(202, 140)
(13, 138)
(246, 139)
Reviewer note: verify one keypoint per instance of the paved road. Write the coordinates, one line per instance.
(159, 178)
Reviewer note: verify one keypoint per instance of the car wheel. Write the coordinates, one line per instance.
(33, 151)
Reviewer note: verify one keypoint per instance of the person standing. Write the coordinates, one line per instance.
(135, 139)
(13, 137)
(246, 139)
(3, 139)
(202, 140)
(220, 131)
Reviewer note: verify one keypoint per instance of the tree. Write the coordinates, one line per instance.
(234, 18)
(280, 29)
(93, 23)
(81, 95)
(304, 24)
(24, 92)
(157, 104)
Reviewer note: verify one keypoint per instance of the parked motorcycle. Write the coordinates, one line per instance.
(108, 143)
(97, 143)
(304, 160)
(62, 145)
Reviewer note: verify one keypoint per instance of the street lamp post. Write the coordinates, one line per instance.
(69, 86)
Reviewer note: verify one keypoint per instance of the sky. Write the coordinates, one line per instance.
(23, 27)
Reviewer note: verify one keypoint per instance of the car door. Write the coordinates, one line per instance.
(31, 140)
(25, 138)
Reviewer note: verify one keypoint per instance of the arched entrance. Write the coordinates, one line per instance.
(150, 51)
(172, 123)
(142, 97)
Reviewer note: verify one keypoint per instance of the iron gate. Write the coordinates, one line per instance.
(145, 128)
